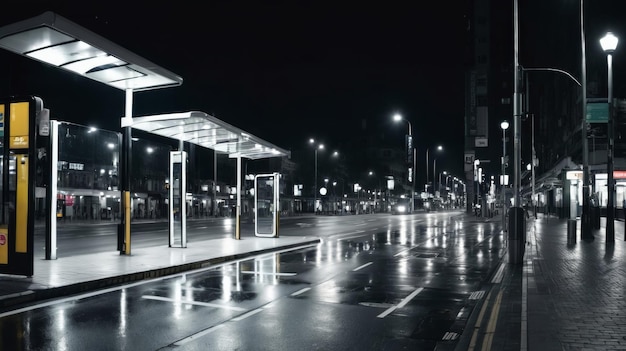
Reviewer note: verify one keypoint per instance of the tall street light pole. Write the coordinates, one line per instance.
(504, 125)
(319, 147)
(397, 117)
(439, 185)
(435, 177)
(609, 44)
(439, 148)
(585, 218)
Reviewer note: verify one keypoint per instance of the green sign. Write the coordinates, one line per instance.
(597, 112)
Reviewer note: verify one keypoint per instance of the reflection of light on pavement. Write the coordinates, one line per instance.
(227, 223)
(227, 283)
(123, 314)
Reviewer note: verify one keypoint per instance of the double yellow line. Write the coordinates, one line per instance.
(491, 325)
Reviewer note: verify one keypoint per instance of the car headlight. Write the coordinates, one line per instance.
(401, 208)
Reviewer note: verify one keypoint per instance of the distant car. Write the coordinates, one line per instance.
(400, 208)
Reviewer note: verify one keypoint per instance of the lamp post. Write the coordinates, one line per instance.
(476, 186)
(319, 147)
(504, 125)
(609, 44)
(397, 117)
(438, 148)
(439, 185)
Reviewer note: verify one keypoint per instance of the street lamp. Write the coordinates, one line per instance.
(439, 148)
(319, 147)
(440, 174)
(504, 125)
(397, 117)
(609, 44)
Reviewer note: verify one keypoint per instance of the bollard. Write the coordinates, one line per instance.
(571, 231)
(517, 234)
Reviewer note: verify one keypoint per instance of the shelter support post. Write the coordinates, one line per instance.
(238, 208)
(125, 165)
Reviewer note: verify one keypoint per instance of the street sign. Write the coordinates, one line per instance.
(481, 142)
(597, 112)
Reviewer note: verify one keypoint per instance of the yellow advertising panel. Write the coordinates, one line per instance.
(18, 137)
(21, 202)
(4, 245)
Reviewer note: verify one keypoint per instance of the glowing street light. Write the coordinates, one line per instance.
(504, 125)
(397, 118)
(609, 44)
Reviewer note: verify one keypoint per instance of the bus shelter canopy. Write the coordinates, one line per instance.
(207, 131)
(55, 40)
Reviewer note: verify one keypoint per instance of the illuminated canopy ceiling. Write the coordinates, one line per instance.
(205, 130)
(52, 39)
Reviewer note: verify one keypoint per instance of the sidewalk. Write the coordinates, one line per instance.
(564, 297)
(83, 273)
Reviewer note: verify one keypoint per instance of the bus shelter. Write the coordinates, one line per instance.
(204, 130)
(54, 40)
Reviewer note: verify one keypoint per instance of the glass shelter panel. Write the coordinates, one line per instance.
(177, 203)
(266, 202)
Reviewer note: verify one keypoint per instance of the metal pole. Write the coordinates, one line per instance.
(125, 170)
(532, 167)
(516, 110)
(413, 170)
(315, 186)
(502, 182)
(434, 176)
(585, 215)
(610, 207)
(215, 183)
(426, 189)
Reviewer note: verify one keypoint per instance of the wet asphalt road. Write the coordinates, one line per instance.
(376, 282)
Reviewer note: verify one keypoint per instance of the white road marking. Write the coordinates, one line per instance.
(351, 237)
(69, 299)
(477, 295)
(375, 304)
(197, 303)
(361, 267)
(301, 291)
(251, 313)
(205, 268)
(198, 335)
(401, 304)
(497, 278)
(269, 273)
(344, 234)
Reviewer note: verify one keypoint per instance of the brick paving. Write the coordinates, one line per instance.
(575, 293)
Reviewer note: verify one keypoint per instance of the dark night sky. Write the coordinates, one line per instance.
(289, 70)
(281, 70)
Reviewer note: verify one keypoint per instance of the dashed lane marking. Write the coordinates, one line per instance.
(196, 303)
(375, 304)
(249, 314)
(363, 266)
(270, 273)
(198, 335)
(301, 291)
